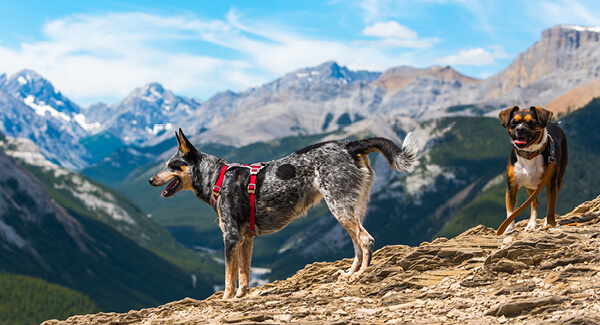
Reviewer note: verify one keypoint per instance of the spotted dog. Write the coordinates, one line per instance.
(337, 171)
(534, 139)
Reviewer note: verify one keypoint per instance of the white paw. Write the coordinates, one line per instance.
(530, 227)
(510, 228)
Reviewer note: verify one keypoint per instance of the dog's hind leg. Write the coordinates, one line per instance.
(363, 248)
(358, 253)
(351, 220)
(245, 257)
(365, 240)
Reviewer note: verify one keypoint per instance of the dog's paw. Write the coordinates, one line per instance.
(530, 227)
(241, 292)
(343, 276)
(354, 276)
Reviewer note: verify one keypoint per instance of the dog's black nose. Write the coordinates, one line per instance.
(151, 180)
(521, 131)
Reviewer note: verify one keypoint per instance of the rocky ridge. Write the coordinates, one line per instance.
(542, 277)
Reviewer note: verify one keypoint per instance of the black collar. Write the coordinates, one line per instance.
(532, 154)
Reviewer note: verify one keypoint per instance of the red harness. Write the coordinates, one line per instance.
(254, 169)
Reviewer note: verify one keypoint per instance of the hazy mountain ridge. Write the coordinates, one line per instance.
(307, 101)
(56, 225)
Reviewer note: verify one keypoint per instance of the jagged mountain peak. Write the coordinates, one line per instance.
(146, 112)
(152, 90)
(28, 82)
(329, 72)
(569, 36)
(40, 94)
(396, 79)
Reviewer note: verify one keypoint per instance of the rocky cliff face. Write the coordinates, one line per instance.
(564, 58)
(542, 277)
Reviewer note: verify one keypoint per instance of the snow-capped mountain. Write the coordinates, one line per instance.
(145, 113)
(30, 107)
(311, 100)
(39, 94)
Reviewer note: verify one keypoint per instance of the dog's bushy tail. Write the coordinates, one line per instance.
(399, 159)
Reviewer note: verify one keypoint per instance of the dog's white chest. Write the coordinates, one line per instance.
(528, 173)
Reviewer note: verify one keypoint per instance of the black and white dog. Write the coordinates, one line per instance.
(337, 171)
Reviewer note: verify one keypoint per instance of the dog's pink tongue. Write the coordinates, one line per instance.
(173, 184)
(519, 141)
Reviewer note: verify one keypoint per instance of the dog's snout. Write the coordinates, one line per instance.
(521, 130)
(151, 180)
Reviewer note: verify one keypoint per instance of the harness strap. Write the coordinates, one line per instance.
(217, 188)
(254, 170)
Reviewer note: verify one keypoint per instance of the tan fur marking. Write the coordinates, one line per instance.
(245, 258)
(186, 178)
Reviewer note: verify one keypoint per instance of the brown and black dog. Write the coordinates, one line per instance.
(535, 141)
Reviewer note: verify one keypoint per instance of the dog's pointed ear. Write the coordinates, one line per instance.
(506, 115)
(185, 145)
(544, 116)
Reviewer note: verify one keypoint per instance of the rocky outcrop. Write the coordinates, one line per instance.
(564, 58)
(542, 277)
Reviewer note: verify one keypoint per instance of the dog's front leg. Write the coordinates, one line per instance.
(551, 196)
(534, 209)
(232, 245)
(511, 204)
(245, 257)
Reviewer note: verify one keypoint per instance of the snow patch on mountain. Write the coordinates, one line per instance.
(41, 109)
(90, 195)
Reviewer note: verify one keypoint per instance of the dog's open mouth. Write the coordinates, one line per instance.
(172, 188)
(526, 142)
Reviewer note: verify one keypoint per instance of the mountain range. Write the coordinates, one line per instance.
(307, 101)
(89, 166)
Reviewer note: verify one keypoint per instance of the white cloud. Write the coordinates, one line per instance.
(391, 34)
(91, 57)
(582, 12)
(390, 29)
(474, 57)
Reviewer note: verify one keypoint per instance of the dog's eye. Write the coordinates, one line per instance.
(178, 168)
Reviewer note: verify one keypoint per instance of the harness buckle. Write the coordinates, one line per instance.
(251, 188)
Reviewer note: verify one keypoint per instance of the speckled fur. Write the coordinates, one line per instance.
(337, 171)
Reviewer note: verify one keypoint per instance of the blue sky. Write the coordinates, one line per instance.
(101, 50)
